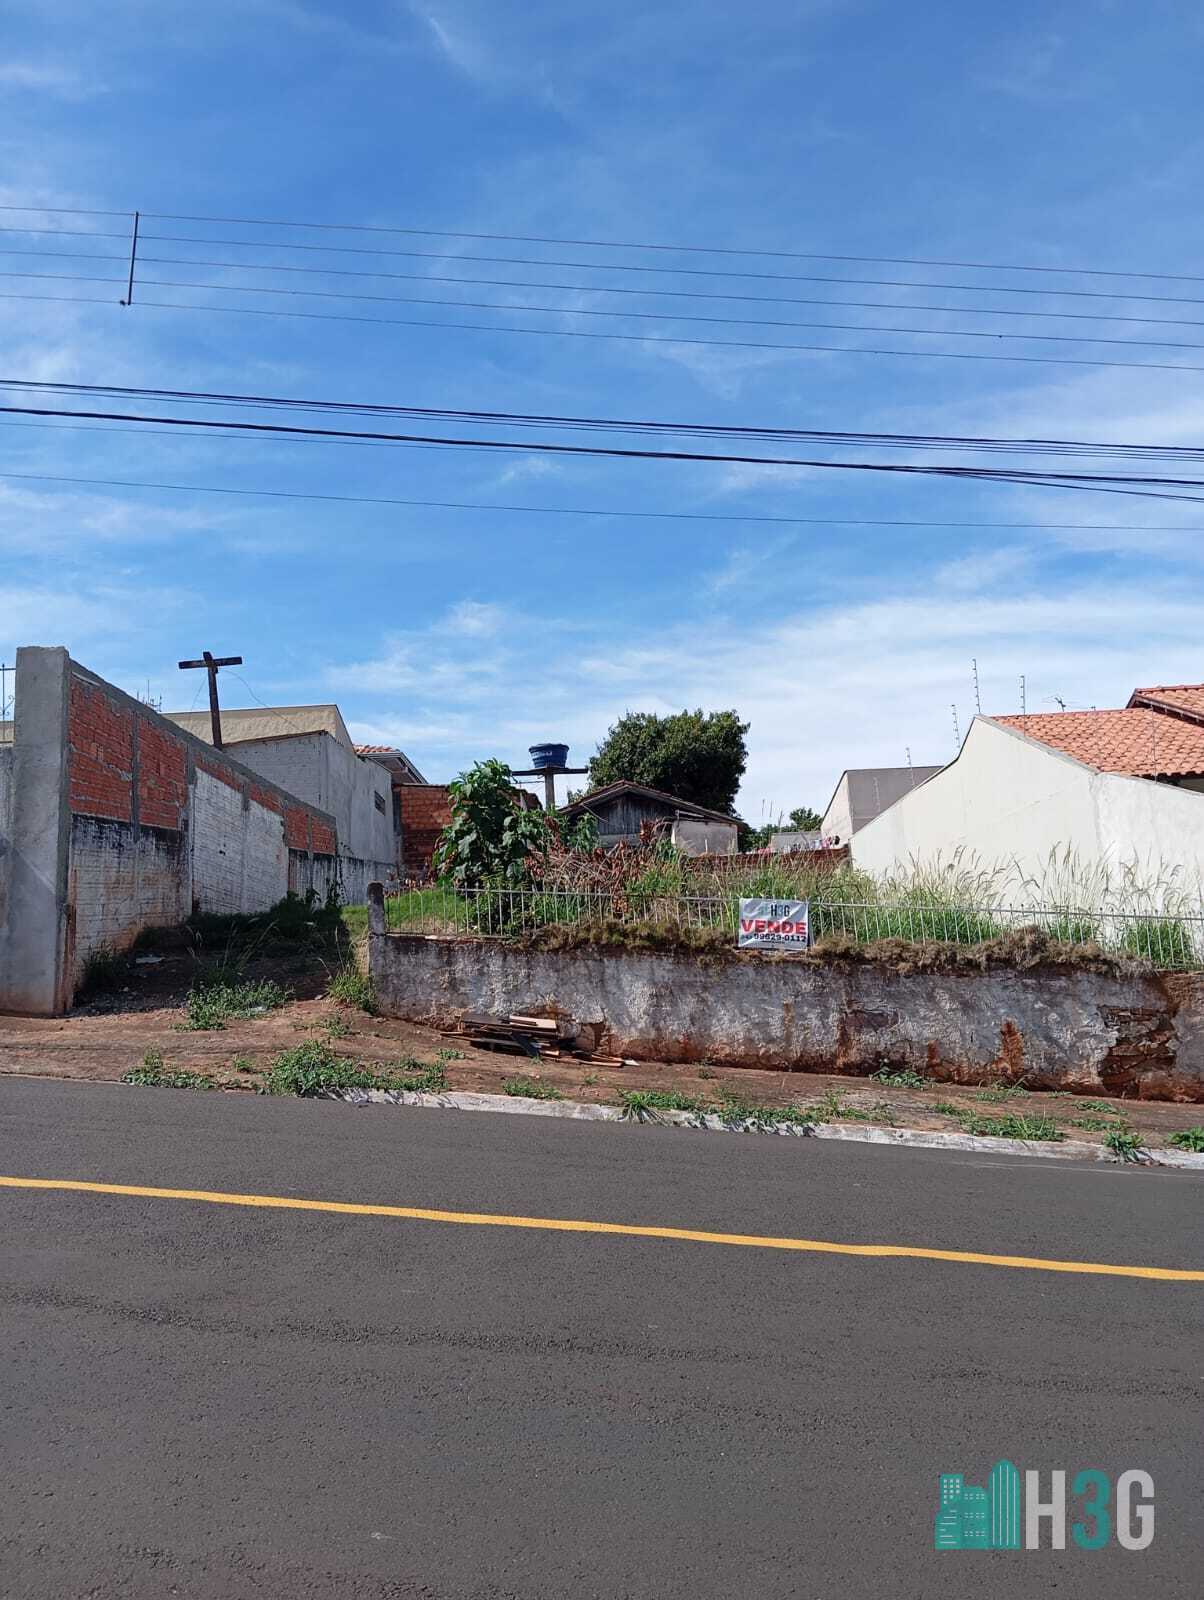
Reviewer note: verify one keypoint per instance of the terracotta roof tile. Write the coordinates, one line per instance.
(1186, 699)
(1137, 741)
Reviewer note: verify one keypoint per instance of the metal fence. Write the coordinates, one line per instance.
(1169, 942)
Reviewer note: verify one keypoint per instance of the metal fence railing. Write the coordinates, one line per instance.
(1168, 941)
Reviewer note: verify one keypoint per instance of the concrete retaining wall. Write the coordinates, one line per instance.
(1051, 1026)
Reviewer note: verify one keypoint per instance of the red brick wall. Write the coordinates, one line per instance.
(425, 812)
(322, 840)
(162, 778)
(100, 769)
(296, 828)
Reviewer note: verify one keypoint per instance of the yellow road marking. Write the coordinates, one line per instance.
(490, 1219)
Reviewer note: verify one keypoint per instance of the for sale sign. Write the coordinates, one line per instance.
(774, 925)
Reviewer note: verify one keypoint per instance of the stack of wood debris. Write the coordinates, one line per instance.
(544, 1038)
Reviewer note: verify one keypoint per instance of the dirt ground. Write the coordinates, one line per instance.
(111, 1034)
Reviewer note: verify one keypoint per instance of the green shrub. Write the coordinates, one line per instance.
(900, 1078)
(734, 1112)
(351, 987)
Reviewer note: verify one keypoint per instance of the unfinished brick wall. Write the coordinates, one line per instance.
(163, 825)
(425, 812)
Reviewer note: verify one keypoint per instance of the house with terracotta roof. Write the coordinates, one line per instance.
(1123, 787)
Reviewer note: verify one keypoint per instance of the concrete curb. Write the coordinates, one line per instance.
(865, 1133)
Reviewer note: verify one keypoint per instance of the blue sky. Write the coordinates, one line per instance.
(1050, 134)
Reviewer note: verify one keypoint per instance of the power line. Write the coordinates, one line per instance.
(643, 316)
(606, 289)
(693, 249)
(593, 511)
(623, 338)
(620, 244)
(625, 425)
(1146, 487)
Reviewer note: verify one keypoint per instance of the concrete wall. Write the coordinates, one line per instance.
(119, 820)
(864, 793)
(1054, 1026)
(320, 770)
(1007, 798)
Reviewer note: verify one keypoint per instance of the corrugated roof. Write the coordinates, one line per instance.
(1140, 742)
(265, 722)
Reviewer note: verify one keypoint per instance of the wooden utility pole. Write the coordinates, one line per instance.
(211, 663)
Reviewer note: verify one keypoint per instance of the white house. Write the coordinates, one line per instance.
(1122, 787)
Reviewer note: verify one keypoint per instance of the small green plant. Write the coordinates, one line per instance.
(152, 1074)
(242, 1064)
(900, 1078)
(1093, 1124)
(1034, 1129)
(211, 1004)
(351, 987)
(946, 1108)
(1124, 1143)
(104, 968)
(641, 1105)
(706, 1073)
(1189, 1139)
(589, 1079)
(531, 1088)
(337, 1027)
(1102, 1108)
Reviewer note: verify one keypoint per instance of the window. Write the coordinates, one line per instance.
(380, 803)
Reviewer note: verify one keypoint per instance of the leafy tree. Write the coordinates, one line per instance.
(493, 838)
(698, 756)
(804, 820)
(490, 837)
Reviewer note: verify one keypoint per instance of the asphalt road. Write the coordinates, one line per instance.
(225, 1401)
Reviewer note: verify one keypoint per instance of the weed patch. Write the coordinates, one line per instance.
(735, 1112)
(313, 1069)
(1035, 1129)
(103, 969)
(211, 1004)
(1189, 1139)
(1124, 1143)
(900, 1078)
(531, 1088)
(351, 987)
(641, 1105)
(153, 1074)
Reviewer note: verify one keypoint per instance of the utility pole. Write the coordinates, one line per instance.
(211, 663)
(5, 669)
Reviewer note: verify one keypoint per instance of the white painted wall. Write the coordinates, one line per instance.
(318, 769)
(239, 859)
(1010, 799)
(838, 818)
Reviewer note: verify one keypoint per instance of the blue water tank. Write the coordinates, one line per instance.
(549, 755)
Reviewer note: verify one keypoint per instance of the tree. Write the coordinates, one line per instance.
(804, 820)
(695, 755)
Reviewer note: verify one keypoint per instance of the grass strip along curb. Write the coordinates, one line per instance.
(723, 1122)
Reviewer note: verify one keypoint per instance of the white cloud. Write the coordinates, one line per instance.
(849, 684)
(48, 77)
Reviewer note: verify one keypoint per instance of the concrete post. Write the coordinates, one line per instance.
(36, 959)
(376, 909)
